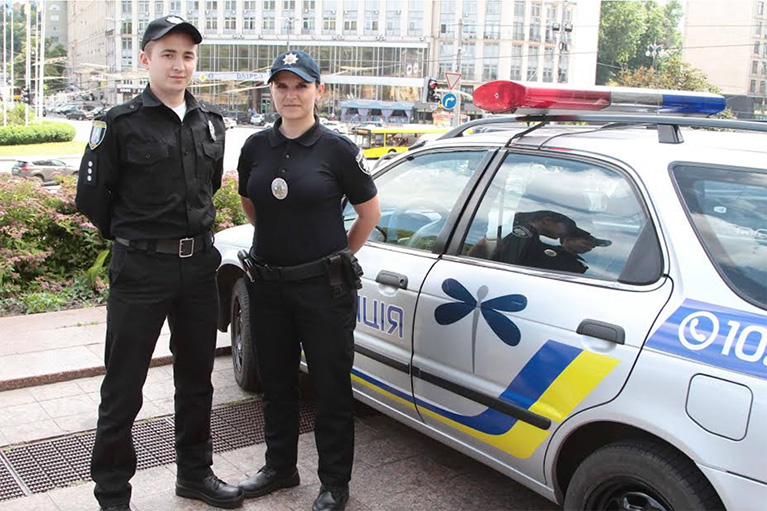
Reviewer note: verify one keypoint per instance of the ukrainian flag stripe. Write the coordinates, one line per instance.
(553, 382)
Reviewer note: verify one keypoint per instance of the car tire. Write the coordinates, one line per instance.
(243, 354)
(639, 475)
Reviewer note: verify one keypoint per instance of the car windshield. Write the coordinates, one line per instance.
(728, 209)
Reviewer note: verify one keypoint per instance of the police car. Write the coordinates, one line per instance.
(578, 300)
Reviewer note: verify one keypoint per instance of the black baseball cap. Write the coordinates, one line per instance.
(580, 233)
(161, 27)
(298, 62)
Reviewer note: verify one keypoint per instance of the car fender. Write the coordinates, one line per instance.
(228, 242)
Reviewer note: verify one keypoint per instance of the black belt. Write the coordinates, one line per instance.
(293, 273)
(185, 247)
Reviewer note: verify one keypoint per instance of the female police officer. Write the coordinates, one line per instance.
(292, 179)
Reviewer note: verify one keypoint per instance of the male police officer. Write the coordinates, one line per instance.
(523, 244)
(146, 180)
(567, 256)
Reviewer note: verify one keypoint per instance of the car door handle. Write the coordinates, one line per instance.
(390, 278)
(602, 330)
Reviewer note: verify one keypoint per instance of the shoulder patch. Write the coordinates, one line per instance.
(98, 132)
(521, 231)
(361, 162)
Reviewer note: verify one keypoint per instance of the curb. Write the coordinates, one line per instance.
(44, 379)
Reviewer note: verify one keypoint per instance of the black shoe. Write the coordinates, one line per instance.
(268, 480)
(211, 490)
(331, 499)
(116, 507)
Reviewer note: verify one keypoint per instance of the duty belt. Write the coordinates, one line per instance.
(303, 271)
(184, 247)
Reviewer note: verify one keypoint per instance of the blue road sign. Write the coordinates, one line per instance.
(449, 100)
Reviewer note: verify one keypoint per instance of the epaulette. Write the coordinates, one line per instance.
(134, 105)
(213, 109)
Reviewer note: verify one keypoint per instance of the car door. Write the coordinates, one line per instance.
(420, 196)
(513, 333)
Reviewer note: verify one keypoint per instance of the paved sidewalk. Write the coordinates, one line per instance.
(395, 467)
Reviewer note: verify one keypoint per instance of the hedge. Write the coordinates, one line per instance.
(52, 257)
(37, 133)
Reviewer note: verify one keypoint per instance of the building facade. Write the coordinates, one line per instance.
(728, 41)
(372, 49)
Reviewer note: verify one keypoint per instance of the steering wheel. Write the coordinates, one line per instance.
(408, 207)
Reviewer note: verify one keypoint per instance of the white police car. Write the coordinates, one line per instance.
(582, 306)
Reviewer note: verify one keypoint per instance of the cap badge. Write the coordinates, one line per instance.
(212, 130)
(174, 19)
(290, 59)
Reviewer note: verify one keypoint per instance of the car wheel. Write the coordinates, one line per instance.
(243, 355)
(639, 475)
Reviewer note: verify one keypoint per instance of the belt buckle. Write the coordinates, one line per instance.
(186, 247)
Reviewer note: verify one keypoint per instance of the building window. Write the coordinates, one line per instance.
(758, 29)
(447, 18)
(756, 48)
(468, 60)
(551, 15)
(532, 63)
(126, 27)
(752, 88)
(535, 22)
(548, 64)
(350, 20)
(759, 8)
(175, 7)
(754, 67)
(446, 57)
(158, 8)
(309, 5)
(307, 25)
(519, 10)
(249, 5)
(371, 17)
(288, 5)
(393, 17)
(267, 25)
(270, 5)
(127, 52)
(415, 18)
(762, 87)
(470, 19)
(493, 19)
(230, 23)
(249, 22)
(143, 9)
(127, 8)
(490, 55)
(516, 62)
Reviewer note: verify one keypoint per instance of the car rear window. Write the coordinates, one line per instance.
(728, 209)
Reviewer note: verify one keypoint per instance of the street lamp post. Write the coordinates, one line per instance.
(655, 50)
(289, 21)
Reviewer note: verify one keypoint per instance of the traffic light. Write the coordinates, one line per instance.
(24, 95)
(431, 91)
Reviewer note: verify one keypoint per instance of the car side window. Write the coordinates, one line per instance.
(417, 196)
(560, 215)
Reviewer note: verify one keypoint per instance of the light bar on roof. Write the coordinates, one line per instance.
(506, 97)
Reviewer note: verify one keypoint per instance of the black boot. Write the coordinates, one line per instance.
(211, 490)
(331, 499)
(116, 507)
(268, 480)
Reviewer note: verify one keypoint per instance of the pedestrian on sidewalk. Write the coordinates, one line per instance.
(147, 181)
(292, 179)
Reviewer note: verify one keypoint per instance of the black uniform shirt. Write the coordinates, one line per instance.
(320, 167)
(148, 175)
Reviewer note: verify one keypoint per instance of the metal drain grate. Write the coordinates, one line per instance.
(9, 488)
(62, 461)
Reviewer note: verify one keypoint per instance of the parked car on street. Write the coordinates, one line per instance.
(43, 169)
(575, 295)
(77, 114)
(230, 122)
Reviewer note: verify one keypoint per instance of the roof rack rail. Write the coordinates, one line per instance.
(668, 127)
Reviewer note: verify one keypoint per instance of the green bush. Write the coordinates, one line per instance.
(52, 257)
(44, 242)
(228, 206)
(36, 133)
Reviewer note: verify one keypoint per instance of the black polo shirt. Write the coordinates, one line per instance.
(320, 167)
(147, 175)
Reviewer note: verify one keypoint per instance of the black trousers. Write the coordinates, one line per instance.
(145, 288)
(286, 316)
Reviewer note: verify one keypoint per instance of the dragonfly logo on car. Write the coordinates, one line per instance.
(503, 327)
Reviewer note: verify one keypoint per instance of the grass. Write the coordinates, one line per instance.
(50, 149)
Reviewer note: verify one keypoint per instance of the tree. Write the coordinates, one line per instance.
(671, 74)
(626, 30)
